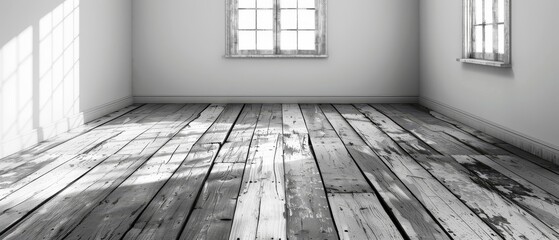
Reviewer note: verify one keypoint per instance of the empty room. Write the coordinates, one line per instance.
(279, 119)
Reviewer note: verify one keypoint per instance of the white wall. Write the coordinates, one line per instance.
(179, 45)
(523, 98)
(62, 62)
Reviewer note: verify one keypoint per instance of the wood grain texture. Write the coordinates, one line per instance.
(504, 215)
(25, 167)
(235, 149)
(448, 144)
(333, 157)
(173, 171)
(339, 171)
(213, 214)
(478, 192)
(31, 191)
(361, 216)
(533, 199)
(308, 215)
(166, 214)
(455, 217)
(410, 213)
(261, 209)
(62, 213)
(117, 212)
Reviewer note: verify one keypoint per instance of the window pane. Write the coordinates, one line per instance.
(288, 19)
(265, 3)
(306, 19)
(501, 10)
(247, 19)
(488, 11)
(288, 40)
(501, 38)
(265, 40)
(265, 19)
(489, 39)
(307, 40)
(288, 3)
(247, 3)
(478, 9)
(478, 38)
(247, 40)
(306, 3)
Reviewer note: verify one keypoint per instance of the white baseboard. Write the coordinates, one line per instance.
(534, 146)
(99, 111)
(33, 137)
(273, 99)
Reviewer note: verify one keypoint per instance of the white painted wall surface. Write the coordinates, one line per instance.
(178, 50)
(61, 62)
(523, 99)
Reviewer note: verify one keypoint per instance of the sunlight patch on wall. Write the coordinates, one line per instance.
(16, 92)
(59, 73)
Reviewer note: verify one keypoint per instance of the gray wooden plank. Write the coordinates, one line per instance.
(344, 176)
(31, 191)
(361, 216)
(63, 137)
(409, 212)
(476, 191)
(27, 166)
(429, 122)
(308, 215)
(260, 211)
(454, 216)
(42, 164)
(235, 149)
(339, 171)
(446, 144)
(213, 214)
(61, 214)
(504, 215)
(165, 216)
(117, 212)
(530, 157)
(533, 199)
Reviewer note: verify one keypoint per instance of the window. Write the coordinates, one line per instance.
(276, 28)
(487, 32)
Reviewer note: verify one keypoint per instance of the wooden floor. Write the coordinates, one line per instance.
(272, 171)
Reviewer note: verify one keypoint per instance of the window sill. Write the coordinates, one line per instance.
(276, 56)
(484, 62)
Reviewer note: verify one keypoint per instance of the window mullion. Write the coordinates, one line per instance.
(495, 30)
(276, 27)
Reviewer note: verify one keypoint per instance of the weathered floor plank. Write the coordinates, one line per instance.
(512, 164)
(356, 215)
(532, 172)
(166, 214)
(162, 171)
(345, 188)
(410, 213)
(61, 214)
(215, 208)
(477, 192)
(456, 218)
(117, 212)
(261, 209)
(26, 167)
(31, 191)
(235, 149)
(308, 212)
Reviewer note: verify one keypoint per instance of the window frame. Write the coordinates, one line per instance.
(232, 50)
(486, 58)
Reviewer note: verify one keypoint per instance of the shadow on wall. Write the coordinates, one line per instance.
(39, 80)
